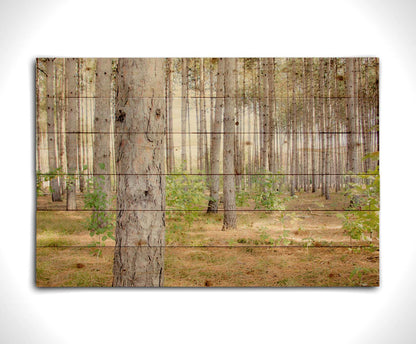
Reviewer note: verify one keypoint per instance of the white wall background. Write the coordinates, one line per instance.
(214, 28)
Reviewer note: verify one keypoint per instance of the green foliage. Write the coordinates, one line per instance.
(101, 223)
(46, 177)
(363, 217)
(241, 198)
(39, 183)
(175, 234)
(266, 193)
(357, 274)
(185, 193)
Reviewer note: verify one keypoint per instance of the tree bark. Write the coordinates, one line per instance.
(102, 127)
(184, 112)
(203, 117)
(351, 121)
(139, 130)
(216, 141)
(171, 151)
(272, 156)
(230, 216)
(71, 75)
(81, 119)
(60, 117)
(52, 157)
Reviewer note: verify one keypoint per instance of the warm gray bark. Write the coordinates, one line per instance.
(82, 116)
(264, 114)
(324, 135)
(328, 135)
(102, 126)
(365, 116)
(238, 124)
(184, 108)
(60, 117)
(139, 130)
(230, 216)
(38, 71)
(305, 125)
(71, 75)
(203, 117)
(271, 106)
(52, 157)
(216, 141)
(313, 128)
(351, 120)
(171, 148)
(294, 152)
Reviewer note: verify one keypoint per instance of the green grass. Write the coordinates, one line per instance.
(61, 222)
(51, 239)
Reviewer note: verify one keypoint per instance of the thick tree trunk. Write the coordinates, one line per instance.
(216, 141)
(102, 128)
(230, 216)
(139, 130)
(54, 184)
(71, 74)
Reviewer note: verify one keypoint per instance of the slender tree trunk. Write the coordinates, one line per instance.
(60, 117)
(230, 216)
(328, 135)
(264, 116)
(272, 158)
(203, 125)
(184, 112)
(139, 130)
(313, 129)
(54, 183)
(102, 128)
(188, 119)
(237, 148)
(71, 75)
(243, 137)
(199, 144)
(305, 125)
(351, 121)
(81, 119)
(294, 159)
(169, 139)
(216, 141)
(38, 71)
(365, 116)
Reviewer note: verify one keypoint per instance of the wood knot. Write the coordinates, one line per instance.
(121, 116)
(158, 112)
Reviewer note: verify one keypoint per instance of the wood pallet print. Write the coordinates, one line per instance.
(207, 172)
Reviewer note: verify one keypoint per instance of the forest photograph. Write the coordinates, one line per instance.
(207, 172)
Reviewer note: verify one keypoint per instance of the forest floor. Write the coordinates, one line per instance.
(306, 247)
